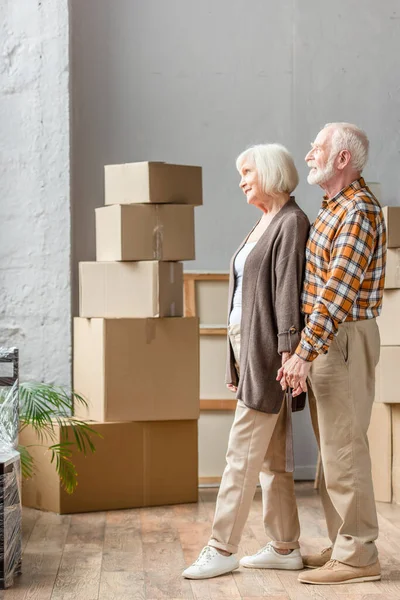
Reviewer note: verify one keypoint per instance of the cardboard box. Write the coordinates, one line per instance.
(392, 219)
(135, 464)
(145, 232)
(392, 278)
(387, 388)
(137, 369)
(380, 444)
(213, 349)
(396, 453)
(131, 289)
(155, 182)
(389, 319)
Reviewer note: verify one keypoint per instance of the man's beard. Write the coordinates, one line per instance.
(318, 176)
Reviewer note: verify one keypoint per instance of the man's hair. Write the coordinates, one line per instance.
(274, 165)
(350, 137)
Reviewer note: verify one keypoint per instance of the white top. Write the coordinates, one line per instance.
(238, 267)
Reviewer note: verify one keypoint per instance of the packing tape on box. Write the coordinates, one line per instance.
(158, 236)
(172, 272)
(150, 330)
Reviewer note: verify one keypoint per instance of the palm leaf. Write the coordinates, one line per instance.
(44, 406)
(26, 462)
(81, 431)
(61, 454)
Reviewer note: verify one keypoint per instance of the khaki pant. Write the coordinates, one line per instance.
(341, 393)
(256, 451)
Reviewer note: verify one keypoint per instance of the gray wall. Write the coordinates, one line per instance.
(35, 245)
(197, 82)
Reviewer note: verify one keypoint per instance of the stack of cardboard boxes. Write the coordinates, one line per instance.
(136, 358)
(387, 396)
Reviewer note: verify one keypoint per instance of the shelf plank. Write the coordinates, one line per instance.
(218, 405)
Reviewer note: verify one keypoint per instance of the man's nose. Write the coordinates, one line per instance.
(309, 156)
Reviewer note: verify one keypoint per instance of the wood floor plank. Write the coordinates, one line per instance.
(87, 530)
(139, 554)
(30, 516)
(218, 588)
(122, 586)
(83, 585)
(166, 583)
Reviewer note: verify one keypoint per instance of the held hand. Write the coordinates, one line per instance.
(285, 357)
(293, 373)
(231, 387)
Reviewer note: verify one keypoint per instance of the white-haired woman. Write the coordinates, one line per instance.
(264, 319)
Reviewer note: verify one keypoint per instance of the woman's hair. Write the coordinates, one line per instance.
(274, 165)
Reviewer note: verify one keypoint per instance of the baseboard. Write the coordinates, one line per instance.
(301, 473)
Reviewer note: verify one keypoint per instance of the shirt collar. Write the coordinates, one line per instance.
(346, 192)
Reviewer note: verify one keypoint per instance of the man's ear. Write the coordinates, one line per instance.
(344, 159)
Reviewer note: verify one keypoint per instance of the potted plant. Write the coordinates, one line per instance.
(42, 407)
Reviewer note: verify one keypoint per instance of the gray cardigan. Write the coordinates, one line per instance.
(271, 319)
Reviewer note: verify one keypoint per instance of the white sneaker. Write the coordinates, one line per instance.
(268, 558)
(211, 564)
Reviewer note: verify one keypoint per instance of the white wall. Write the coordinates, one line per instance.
(197, 82)
(35, 282)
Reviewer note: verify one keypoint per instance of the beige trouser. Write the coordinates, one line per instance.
(341, 393)
(256, 450)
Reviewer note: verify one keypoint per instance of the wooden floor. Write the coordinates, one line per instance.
(140, 554)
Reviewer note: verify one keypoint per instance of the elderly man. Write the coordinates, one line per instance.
(339, 349)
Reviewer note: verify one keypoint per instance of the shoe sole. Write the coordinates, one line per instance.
(355, 580)
(210, 576)
(273, 566)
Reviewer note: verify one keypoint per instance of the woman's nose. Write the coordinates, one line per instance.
(242, 182)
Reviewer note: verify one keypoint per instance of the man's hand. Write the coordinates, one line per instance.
(231, 387)
(293, 373)
(285, 357)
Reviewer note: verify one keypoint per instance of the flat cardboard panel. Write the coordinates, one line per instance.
(392, 278)
(214, 428)
(389, 320)
(213, 351)
(88, 366)
(123, 472)
(212, 302)
(171, 474)
(130, 289)
(396, 453)
(153, 182)
(148, 368)
(138, 232)
(387, 388)
(380, 443)
(392, 219)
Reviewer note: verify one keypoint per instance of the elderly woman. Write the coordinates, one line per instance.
(264, 325)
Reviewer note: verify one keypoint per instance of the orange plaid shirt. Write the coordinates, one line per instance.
(345, 267)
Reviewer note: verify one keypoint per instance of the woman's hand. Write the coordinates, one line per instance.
(231, 387)
(285, 357)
